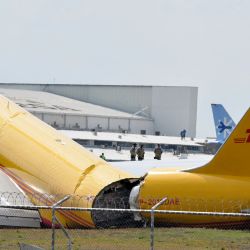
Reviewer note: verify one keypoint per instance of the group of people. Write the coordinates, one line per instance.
(140, 152)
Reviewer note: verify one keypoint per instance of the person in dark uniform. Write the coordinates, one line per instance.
(140, 153)
(158, 152)
(183, 134)
(133, 152)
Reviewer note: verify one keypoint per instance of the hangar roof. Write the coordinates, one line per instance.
(132, 138)
(44, 102)
(125, 84)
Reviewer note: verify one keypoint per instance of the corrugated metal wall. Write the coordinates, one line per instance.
(79, 122)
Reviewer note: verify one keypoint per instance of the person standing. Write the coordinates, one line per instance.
(181, 134)
(133, 152)
(184, 133)
(158, 152)
(140, 153)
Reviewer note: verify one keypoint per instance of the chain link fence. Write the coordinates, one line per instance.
(228, 228)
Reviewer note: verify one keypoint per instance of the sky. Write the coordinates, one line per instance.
(203, 43)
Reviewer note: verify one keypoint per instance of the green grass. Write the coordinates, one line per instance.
(132, 239)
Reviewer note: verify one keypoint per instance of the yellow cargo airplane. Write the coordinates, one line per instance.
(45, 163)
(222, 185)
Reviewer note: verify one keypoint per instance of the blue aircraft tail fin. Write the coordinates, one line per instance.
(223, 122)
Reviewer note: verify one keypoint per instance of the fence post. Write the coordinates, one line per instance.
(153, 222)
(54, 219)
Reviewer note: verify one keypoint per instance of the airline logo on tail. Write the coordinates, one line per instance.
(224, 127)
(243, 139)
(223, 122)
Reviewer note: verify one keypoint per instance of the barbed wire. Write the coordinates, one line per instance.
(121, 204)
(88, 201)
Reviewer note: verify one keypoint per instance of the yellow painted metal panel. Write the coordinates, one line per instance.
(195, 192)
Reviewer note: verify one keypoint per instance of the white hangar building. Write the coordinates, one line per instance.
(160, 110)
(66, 113)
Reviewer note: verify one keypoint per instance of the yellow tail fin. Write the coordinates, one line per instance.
(233, 158)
